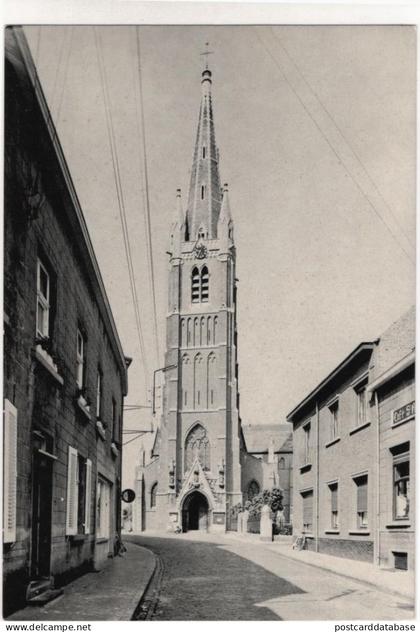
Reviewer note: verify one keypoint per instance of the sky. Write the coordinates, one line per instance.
(316, 131)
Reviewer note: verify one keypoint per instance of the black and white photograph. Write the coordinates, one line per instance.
(209, 289)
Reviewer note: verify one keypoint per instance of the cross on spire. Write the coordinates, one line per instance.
(206, 53)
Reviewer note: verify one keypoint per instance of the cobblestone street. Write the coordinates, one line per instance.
(204, 577)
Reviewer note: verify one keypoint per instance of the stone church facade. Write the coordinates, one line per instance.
(197, 468)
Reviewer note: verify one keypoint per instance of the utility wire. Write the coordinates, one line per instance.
(57, 72)
(339, 158)
(134, 438)
(139, 101)
(120, 198)
(340, 131)
(66, 69)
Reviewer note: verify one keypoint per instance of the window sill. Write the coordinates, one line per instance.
(80, 537)
(102, 540)
(305, 467)
(335, 440)
(114, 449)
(308, 535)
(359, 532)
(335, 531)
(47, 362)
(83, 405)
(100, 430)
(357, 428)
(398, 524)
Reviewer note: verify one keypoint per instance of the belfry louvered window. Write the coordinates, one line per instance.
(195, 286)
(204, 285)
(200, 285)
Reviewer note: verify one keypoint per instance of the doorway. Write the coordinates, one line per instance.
(41, 515)
(195, 513)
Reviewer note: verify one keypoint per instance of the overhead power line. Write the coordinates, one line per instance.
(66, 69)
(139, 101)
(120, 199)
(333, 144)
(343, 136)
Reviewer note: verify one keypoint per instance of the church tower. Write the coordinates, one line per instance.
(199, 472)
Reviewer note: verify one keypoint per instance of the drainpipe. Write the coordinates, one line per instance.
(377, 485)
(317, 480)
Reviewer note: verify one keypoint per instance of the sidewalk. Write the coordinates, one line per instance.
(109, 595)
(397, 582)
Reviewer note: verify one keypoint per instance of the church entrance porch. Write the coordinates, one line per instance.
(195, 513)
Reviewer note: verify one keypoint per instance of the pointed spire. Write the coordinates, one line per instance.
(177, 234)
(204, 198)
(225, 215)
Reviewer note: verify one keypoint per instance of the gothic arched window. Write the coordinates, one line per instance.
(198, 381)
(197, 444)
(183, 340)
(253, 490)
(202, 330)
(153, 492)
(282, 463)
(196, 334)
(211, 380)
(185, 378)
(204, 293)
(188, 332)
(215, 330)
(195, 285)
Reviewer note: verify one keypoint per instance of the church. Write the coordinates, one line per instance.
(199, 468)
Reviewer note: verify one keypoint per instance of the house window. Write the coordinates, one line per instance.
(334, 505)
(400, 560)
(42, 301)
(362, 501)
(153, 493)
(307, 510)
(195, 286)
(79, 486)
(80, 359)
(401, 475)
(334, 420)
(103, 501)
(361, 394)
(99, 395)
(306, 443)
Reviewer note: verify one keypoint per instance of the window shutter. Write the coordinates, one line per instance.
(362, 494)
(72, 493)
(307, 507)
(88, 493)
(10, 472)
(334, 497)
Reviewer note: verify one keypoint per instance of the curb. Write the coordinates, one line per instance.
(142, 592)
(363, 582)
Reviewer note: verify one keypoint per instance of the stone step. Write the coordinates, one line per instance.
(37, 586)
(44, 597)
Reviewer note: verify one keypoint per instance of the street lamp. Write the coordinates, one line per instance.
(163, 369)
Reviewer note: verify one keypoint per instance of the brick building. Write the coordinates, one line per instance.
(198, 468)
(65, 374)
(392, 388)
(354, 439)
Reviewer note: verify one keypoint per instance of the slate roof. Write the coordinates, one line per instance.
(258, 437)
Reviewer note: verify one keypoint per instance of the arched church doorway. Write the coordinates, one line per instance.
(195, 513)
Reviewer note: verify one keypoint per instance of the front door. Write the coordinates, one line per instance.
(41, 516)
(195, 513)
